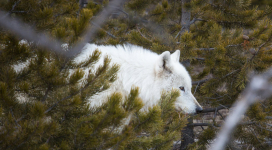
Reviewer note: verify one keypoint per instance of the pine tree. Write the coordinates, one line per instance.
(44, 105)
(223, 43)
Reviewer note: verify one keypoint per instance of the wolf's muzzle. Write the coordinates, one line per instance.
(199, 109)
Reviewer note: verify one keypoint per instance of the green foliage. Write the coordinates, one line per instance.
(207, 136)
(45, 105)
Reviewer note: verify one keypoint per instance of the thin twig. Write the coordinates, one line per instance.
(104, 30)
(220, 115)
(218, 125)
(121, 10)
(214, 114)
(15, 119)
(196, 88)
(213, 109)
(208, 49)
(203, 59)
(199, 82)
(142, 34)
(13, 7)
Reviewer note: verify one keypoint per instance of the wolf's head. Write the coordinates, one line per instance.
(173, 75)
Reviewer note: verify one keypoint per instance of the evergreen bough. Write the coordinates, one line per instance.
(44, 106)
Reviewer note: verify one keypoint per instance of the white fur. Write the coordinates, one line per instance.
(151, 72)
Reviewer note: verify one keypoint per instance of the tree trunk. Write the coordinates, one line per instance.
(187, 135)
(82, 3)
(185, 17)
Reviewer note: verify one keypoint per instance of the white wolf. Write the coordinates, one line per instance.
(151, 72)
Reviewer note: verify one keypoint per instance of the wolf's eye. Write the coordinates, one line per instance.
(182, 88)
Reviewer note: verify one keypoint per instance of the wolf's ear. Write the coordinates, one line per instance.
(175, 56)
(163, 62)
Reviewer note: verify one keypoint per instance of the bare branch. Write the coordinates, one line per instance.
(142, 34)
(259, 86)
(188, 26)
(208, 49)
(205, 49)
(196, 88)
(205, 80)
(199, 82)
(231, 73)
(121, 10)
(268, 117)
(214, 109)
(261, 46)
(201, 124)
(13, 7)
(218, 125)
(15, 119)
(203, 59)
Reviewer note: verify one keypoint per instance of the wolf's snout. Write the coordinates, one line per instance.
(199, 109)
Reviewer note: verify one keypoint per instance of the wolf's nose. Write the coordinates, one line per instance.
(199, 109)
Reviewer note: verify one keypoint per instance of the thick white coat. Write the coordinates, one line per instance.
(151, 72)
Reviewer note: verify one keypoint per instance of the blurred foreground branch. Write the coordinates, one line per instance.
(258, 87)
(26, 32)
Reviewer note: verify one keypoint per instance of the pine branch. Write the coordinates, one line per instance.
(184, 27)
(224, 10)
(99, 21)
(26, 139)
(160, 144)
(141, 123)
(69, 96)
(264, 128)
(104, 30)
(261, 46)
(255, 135)
(25, 31)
